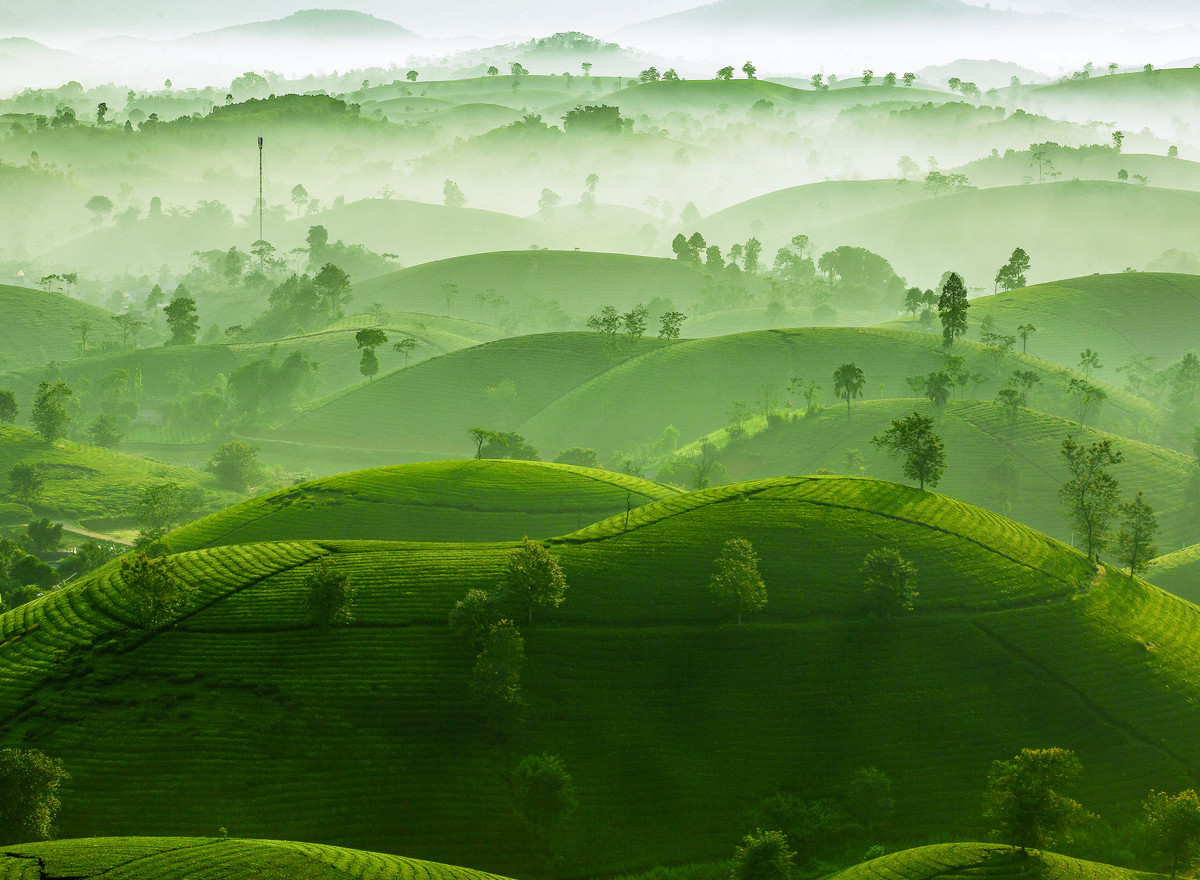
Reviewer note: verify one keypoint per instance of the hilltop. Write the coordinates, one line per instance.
(438, 501)
(329, 737)
(1178, 572)
(38, 326)
(957, 861)
(179, 858)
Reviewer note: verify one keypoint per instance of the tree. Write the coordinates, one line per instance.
(411, 76)
(889, 79)
(909, 79)
(128, 324)
(735, 581)
(452, 196)
(586, 67)
(473, 617)
(749, 69)
(333, 290)
(368, 339)
(1135, 539)
(1118, 139)
(99, 206)
(299, 198)
(1089, 361)
(867, 77)
(183, 320)
(650, 74)
(1024, 798)
(1086, 395)
(236, 465)
(913, 437)
(543, 791)
(160, 509)
(29, 782)
(406, 346)
(1172, 825)
(952, 309)
(549, 199)
(725, 73)
(671, 323)
(887, 581)
(938, 386)
(869, 795)
(328, 595)
(751, 254)
(580, 456)
(106, 431)
(848, 382)
(1091, 494)
(49, 415)
(516, 68)
(25, 481)
(8, 407)
(533, 577)
(43, 536)
(496, 677)
(1025, 331)
(152, 589)
(763, 855)
(634, 322)
(1012, 274)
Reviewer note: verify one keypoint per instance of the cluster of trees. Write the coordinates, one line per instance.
(612, 324)
(506, 445)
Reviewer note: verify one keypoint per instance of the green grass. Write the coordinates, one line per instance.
(95, 487)
(983, 861)
(672, 722)
(36, 326)
(1119, 316)
(440, 501)
(188, 858)
(579, 281)
(1178, 572)
(977, 435)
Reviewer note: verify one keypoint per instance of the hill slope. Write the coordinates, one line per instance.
(179, 858)
(957, 861)
(439, 501)
(1178, 572)
(37, 327)
(670, 721)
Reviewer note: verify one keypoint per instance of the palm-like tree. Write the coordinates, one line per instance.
(848, 382)
(938, 386)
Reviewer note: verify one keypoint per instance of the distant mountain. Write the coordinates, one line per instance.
(797, 14)
(314, 24)
(985, 74)
(25, 62)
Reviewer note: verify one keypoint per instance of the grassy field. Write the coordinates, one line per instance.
(439, 501)
(38, 326)
(978, 435)
(613, 401)
(1119, 316)
(973, 861)
(673, 720)
(188, 858)
(1178, 572)
(579, 281)
(95, 487)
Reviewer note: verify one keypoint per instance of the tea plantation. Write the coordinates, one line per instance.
(982, 861)
(673, 720)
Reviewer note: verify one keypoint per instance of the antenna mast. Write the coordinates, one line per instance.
(260, 202)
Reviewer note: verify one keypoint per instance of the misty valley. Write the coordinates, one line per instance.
(752, 441)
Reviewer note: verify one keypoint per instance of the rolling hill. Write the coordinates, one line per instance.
(672, 720)
(1178, 572)
(37, 326)
(439, 501)
(570, 389)
(958, 861)
(180, 858)
(978, 436)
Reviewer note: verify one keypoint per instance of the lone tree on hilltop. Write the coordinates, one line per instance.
(368, 339)
(452, 196)
(736, 582)
(1024, 800)
(888, 582)
(154, 590)
(1135, 539)
(533, 577)
(29, 782)
(848, 382)
(329, 595)
(1091, 494)
(544, 793)
(913, 437)
(49, 415)
(763, 855)
(25, 481)
(1172, 825)
(952, 309)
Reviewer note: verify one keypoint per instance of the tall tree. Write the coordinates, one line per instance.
(887, 580)
(25, 481)
(544, 793)
(368, 339)
(1172, 824)
(1091, 494)
(329, 595)
(952, 309)
(735, 580)
(29, 782)
(8, 406)
(1025, 331)
(50, 416)
(183, 320)
(1135, 539)
(938, 386)
(848, 382)
(913, 437)
(533, 577)
(1024, 797)
(152, 589)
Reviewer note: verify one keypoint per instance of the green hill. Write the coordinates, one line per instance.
(1178, 572)
(672, 720)
(567, 389)
(978, 436)
(580, 282)
(37, 327)
(1119, 316)
(181, 858)
(90, 485)
(973, 861)
(438, 501)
